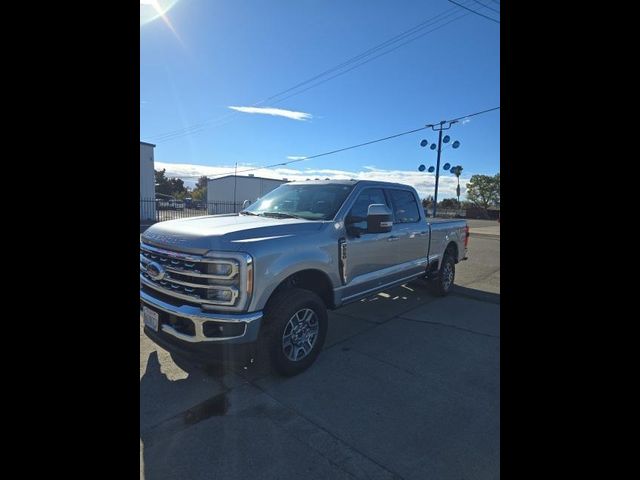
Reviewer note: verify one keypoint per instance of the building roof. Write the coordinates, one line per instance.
(247, 176)
(145, 143)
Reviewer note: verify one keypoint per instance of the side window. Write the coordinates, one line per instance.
(357, 217)
(405, 208)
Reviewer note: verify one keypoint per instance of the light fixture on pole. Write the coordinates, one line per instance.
(457, 170)
(446, 166)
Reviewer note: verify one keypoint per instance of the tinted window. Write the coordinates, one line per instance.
(405, 208)
(313, 202)
(358, 214)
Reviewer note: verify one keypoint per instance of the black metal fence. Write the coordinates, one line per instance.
(446, 212)
(153, 210)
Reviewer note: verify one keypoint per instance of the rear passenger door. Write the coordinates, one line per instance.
(410, 233)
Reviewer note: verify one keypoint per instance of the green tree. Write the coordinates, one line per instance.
(200, 191)
(427, 202)
(170, 186)
(450, 203)
(162, 183)
(199, 195)
(177, 186)
(484, 190)
(202, 182)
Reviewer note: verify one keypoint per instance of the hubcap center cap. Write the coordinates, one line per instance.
(300, 334)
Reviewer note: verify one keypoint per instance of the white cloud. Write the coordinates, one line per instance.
(295, 157)
(277, 112)
(423, 182)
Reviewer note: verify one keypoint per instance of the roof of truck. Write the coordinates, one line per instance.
(350, 182)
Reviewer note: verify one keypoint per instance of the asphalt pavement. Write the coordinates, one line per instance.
(408, 386)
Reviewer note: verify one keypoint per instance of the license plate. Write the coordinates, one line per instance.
(150, 318)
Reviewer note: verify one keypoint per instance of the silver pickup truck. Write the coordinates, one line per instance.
(213, 288)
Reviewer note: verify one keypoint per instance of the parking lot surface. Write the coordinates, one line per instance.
(408, 386)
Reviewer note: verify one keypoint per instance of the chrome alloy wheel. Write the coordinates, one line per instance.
(300, 334)
(447, 276)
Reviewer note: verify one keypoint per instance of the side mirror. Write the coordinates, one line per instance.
(246, 204)
(379, 219)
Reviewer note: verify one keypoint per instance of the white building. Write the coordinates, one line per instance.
(220, 191)
(147, 182)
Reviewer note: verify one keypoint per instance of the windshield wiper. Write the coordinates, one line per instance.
(281, 215)
(244, 212)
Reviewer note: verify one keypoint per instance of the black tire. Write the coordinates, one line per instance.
(280, 311)
(443, 283)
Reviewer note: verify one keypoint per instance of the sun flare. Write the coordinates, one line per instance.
(153, 9)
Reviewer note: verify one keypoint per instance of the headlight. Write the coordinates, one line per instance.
(231, 275)
(223, 269)
(223, 295)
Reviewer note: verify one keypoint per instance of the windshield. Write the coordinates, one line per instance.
(311, 202)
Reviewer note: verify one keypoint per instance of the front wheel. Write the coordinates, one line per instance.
(297, 327)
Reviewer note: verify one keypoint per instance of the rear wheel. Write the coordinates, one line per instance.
(296, 327)
(443, 283)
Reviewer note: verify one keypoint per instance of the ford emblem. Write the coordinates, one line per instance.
(155, 271)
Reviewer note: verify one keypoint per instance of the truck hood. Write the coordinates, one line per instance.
(229, 232)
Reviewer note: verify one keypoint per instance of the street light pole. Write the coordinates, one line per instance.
(235, 183)
(447, 167)
(435, 196)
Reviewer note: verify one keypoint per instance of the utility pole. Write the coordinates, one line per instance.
(435, 196)
(447, 167)
(235, 183)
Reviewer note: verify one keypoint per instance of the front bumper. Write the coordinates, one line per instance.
(249, 321)
(205, 353)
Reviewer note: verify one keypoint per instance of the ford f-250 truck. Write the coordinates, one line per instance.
(211, 287)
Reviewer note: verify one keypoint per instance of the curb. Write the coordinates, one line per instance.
(487, 297)
(488, 235)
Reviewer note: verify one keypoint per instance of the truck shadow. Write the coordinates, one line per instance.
(170, 406)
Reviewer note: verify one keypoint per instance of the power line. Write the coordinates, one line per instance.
(473, 11)
(474, 114)
(444, 15)
(392, 40)
(406, 34)
(487, 6)
(373, 58)
(281, 164)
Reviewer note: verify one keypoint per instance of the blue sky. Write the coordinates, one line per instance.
(209, 55)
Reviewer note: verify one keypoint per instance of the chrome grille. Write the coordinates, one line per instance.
(187, 277)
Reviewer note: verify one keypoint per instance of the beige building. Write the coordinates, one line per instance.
(236, 189)
(147, 182)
